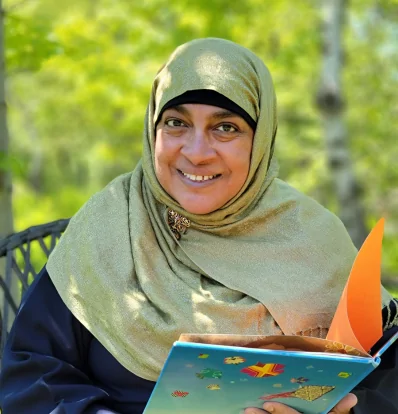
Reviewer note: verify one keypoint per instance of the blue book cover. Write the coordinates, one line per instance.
(208, 378)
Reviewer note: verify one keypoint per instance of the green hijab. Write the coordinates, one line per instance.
(271, 261)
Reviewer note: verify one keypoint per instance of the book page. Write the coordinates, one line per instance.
(279, 342)
(358, 318)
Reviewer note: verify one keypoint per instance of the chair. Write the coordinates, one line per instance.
(24, 254)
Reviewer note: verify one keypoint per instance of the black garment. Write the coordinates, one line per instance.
(378, 393)
(53, 365)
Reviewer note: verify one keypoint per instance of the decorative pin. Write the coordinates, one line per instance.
(178, 223)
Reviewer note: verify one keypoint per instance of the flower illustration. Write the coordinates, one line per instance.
(234, 360)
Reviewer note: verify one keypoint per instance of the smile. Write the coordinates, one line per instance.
(199, 178)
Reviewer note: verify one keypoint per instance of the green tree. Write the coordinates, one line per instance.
(78, 91)
(6, 218)
(330, 101)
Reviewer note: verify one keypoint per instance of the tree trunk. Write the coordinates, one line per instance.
(6, 219)
(330, 102)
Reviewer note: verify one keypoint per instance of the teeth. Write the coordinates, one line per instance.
(198, 177)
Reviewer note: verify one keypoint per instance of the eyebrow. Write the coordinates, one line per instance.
(223, 113)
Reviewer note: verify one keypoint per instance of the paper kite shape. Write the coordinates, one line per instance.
(299, 380)
(179, 394)
(261, 370)
(235, 360)
(307, 393)
(213, 387)
(209, 373)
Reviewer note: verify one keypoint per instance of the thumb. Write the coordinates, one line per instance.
(345, 405)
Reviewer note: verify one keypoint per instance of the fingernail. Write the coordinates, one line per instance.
(269, 408)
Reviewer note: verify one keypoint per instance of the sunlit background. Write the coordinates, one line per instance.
(79, 74)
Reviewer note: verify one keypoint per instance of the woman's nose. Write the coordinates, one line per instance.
(198, 148)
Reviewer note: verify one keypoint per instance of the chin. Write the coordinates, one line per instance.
(198, 208)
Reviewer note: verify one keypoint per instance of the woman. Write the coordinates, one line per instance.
(200, 237)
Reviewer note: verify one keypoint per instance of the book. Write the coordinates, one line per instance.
(218, 374)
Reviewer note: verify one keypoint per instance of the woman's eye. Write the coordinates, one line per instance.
(227, 128)
(174, 123)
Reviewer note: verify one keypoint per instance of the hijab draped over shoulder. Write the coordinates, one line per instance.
(270, 261)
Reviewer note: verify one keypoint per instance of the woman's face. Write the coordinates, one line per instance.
(202, 155)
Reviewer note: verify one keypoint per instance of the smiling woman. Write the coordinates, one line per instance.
(202, 155)
(201, 237)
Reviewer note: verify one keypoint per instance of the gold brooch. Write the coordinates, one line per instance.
(178, 223)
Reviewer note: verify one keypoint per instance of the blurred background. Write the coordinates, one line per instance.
(78, 78)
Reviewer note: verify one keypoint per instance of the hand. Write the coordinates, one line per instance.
(343, 407)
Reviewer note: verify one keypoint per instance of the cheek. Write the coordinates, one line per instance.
(160, 162)
(158, 151)
(166, 152)
(240, 160)
(248, 153)
(159, 144)
(161, 152)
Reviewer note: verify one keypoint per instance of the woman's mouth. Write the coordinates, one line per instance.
(198, 178)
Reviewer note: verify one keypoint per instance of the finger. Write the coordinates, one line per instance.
(278, 408)
(345, 405)
(254, 411)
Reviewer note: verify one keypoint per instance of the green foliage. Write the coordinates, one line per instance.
(10, 163)
(28, 43)
(80, 75)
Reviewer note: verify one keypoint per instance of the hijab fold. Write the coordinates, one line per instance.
(271, 261)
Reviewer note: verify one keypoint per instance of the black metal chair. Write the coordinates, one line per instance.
(24, 253)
